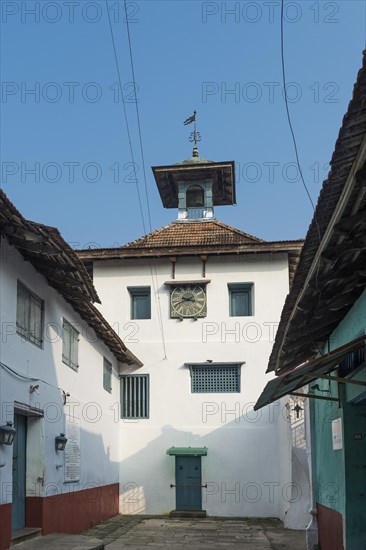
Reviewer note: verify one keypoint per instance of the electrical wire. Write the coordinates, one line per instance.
(287, 107)
(28, 378)
(152, 270)
(137, 114)
(294, 138)
(125, 114)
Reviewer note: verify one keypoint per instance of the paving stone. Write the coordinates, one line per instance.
(146, 532)
(59, 541)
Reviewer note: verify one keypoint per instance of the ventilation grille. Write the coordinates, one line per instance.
(215, 379)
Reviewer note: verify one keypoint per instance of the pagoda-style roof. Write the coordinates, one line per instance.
(195, 170)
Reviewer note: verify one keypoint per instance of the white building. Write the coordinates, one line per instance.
(59, 374)
(199, 303)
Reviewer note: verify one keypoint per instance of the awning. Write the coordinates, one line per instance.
(309, 372)
(187, 451)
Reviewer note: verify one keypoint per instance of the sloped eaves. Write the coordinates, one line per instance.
(339, 275)
(51, 256)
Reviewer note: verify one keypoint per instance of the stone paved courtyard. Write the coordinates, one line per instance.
(139, 532)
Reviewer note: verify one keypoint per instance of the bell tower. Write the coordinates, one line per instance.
(196, 185)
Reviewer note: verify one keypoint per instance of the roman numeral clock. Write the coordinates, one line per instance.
(188, 299)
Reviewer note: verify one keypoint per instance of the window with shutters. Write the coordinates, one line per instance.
(107, 375)
(140, 302)
(215, 378)
(70, 345)
(240, 299)
(30, 312)
(135, 396)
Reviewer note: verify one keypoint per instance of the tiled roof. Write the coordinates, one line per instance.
(338, 251)
(199, 233)
(185, 238)
(51, 256)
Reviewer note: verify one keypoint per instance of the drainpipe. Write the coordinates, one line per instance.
(312, 528)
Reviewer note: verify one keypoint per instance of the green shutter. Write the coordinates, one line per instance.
(140, 302)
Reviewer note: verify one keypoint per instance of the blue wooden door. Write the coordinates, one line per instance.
(188, 483)
(19, 469)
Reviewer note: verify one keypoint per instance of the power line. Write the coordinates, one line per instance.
(287, 107)
(125, 114)
(28, 378)
(152, 270)
(137, 114)
(154, 282)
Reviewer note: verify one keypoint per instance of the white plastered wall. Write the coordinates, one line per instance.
(96, 409)
(245, 449)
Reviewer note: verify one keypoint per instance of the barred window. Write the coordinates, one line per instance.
(215, 378)
(135, 396)
(30, 310)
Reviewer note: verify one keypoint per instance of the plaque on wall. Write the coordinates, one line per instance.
(72, 450)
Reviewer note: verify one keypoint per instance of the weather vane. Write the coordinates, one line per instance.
(194, 136)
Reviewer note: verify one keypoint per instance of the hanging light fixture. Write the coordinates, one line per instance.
(7, 433)
(60, 442)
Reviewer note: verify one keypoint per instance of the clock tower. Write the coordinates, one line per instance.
(195, 186)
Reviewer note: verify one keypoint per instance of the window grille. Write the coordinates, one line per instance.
(352, 362)
(215, 379)
(30, 310)
(135, 396)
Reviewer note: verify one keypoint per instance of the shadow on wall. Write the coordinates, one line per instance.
(241, 469)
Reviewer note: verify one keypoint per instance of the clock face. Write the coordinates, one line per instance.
(188, 301)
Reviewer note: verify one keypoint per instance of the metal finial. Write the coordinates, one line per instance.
(195, 136)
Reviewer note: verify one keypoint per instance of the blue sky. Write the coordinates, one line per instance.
(220, 58)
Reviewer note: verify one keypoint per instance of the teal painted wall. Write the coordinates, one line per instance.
(329, 464)
(355, 473)
(341, 475)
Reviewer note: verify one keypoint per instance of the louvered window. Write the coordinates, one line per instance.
(107, 375)
(70, 345)
(29, 315)
(135, 396)
(215, 378)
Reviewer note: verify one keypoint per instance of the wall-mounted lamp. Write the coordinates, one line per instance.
(7, 433)
(60, 442)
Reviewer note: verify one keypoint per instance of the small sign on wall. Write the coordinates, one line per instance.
(337, 436)
(72, 450)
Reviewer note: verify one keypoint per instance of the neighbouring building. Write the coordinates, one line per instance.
(60, 363)
(319, 351)
(199, 302)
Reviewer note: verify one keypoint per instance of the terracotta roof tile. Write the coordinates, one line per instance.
(44, 247)
(347, 149)
(193, 234)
